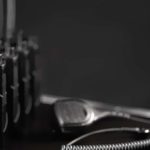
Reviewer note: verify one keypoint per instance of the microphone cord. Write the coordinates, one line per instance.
(133, 145)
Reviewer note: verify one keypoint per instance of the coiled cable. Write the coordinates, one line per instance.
(134, 145)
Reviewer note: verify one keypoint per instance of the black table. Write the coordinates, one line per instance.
(42, 137)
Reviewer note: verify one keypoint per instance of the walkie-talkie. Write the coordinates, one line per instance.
(25, 97)
(12, 85)
(33, 47)
(3, 101)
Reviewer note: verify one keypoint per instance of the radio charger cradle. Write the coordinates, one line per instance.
(26, 83)
(27, 73)
(17, 88)
(26, 80)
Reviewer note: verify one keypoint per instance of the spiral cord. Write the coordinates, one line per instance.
(143, 144)
(136, 145)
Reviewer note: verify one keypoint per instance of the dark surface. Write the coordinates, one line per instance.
(40, 136)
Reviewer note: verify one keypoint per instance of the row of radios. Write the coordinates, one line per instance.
(17, 83)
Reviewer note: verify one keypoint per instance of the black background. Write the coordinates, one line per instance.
(91, 49)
